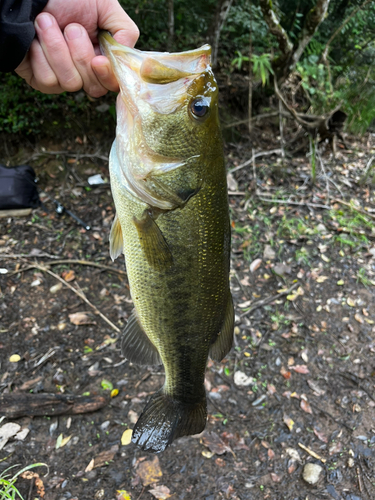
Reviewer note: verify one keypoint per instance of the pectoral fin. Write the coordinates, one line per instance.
(136, 346)
(115, 239)
(153, 243)
(224, 339)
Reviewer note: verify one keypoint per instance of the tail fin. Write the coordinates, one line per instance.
(165, 419)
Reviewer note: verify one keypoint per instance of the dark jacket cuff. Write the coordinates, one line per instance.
(17, 30)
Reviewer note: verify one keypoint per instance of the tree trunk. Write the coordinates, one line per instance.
(221, 13)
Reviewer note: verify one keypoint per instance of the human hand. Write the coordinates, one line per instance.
(65, 56)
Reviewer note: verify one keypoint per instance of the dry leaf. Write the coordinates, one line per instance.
(271, 454)
(62, 441)
(350, 302)
(305, 406)
(275, 478)
(207, 454)
(149, 471)
(105, 456)
(358, 318)
(90, 466)
(80, 318)
(288, 422)
(214, 443)
(300, 369)
(161, 492)
(320, 435)
(255, 265)
(285, 373)
(68, 275)
(126, 437)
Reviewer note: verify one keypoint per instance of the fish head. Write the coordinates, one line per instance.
(168, 102)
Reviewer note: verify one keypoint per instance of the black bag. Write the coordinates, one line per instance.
(17, 187)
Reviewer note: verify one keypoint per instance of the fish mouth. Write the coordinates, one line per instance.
(143, 75)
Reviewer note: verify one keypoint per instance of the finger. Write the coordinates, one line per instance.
(43, 77)
(103, 70)
(57, 53)
(82, 52)
(112, 17)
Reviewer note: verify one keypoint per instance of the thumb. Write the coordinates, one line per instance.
(113, 18)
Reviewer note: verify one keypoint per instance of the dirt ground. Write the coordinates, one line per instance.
(298, 387)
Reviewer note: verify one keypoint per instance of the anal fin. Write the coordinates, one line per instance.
(136, 346)
(115, 239)
(153, 243)
(224, 340)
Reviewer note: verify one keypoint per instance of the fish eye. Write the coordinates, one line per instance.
(199, 107)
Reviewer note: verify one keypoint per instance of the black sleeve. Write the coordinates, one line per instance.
(17, 30)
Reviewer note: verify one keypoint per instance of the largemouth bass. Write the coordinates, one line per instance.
(169, 187)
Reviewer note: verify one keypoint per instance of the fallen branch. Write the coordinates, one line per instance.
(70, 261)
(256, 155)
(312, 453)
(337, 200)
(268, 300)
(79, 293)
(290, 202)
(20, 404)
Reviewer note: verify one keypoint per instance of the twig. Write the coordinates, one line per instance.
(312, 453)
(80, 294)
(264, 302)
(336, 200)
(256, 155)
(289, 202)
(70, 261)
(363, 179)
(67, 153)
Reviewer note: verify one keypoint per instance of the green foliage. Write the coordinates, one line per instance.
(262, 67)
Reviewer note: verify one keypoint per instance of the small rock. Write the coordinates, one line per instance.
(321, 228)
(242, 380)
(311, 473)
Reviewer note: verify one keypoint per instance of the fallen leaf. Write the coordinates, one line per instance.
(123, 495)
(114, 393)
(285, 373)
(126, 437)
(56, 288)
(320, 435)
(214, 443)
(149, 471)
(275, 478)
(300, 369)
(305, 406)
(62, 441)
(255, 265)
(288, 422)
(68, 275)
(359, 318)
(90, 465)
(350, 302)
(105, 456)
(160, 491)
(80, 318)
(271, 454)
(293, 453)
(7, 431)
(207, 454)
(22, 434)
(14, 358)
(37, 481)
(295, 294)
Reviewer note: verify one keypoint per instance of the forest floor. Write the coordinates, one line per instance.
(298, 387)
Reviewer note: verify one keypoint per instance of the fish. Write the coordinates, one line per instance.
(168, 182)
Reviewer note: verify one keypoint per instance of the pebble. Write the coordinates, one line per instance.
(311, 473)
